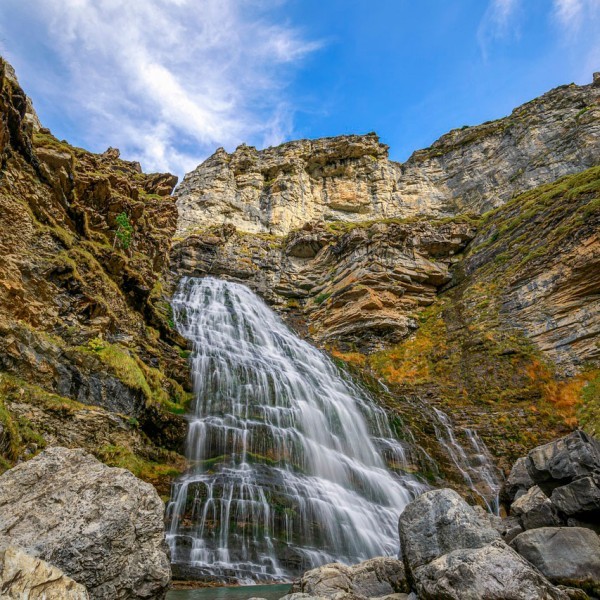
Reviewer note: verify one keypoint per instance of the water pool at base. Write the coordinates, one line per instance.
(270, 592)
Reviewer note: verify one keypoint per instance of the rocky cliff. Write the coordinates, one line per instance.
(88, 353)
(402, 271)
(466, 277)
(351, 179)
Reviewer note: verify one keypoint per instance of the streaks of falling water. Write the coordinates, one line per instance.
(292, 465)
(478, 471)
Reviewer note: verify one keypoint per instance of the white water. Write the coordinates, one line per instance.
(291, 463)
(478, 471)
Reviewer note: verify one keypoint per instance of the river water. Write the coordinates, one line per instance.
(270, 592)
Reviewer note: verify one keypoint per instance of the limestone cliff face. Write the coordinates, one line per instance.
(355, 286)
(84, 321)
(466, 277)
(351, 179)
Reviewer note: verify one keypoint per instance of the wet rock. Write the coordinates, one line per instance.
(25, 576)
(101, 526)
(439, 522)
(578, 497)
(534, 509)
(373, 578)
(559, 462)
(565, 555)
(493, 572)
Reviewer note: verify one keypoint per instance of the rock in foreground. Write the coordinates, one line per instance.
(450, 553)
(374, 578)
(23, 576)
(102, 526)
(439, 522)
(567, 555)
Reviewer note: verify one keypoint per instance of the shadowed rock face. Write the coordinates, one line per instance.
(350, 178)
(565, 555)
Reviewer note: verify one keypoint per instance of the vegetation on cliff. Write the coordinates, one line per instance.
(88, 354)
(477, 353)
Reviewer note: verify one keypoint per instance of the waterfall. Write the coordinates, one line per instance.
(478, 471)
(291, 464)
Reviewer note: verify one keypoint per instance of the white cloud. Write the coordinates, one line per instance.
(498, 22)
(168, 80)
(569, 13)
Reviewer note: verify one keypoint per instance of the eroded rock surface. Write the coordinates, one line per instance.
(101, 526)
(358, 287)
(492, 572)
(439, 522)
(450, 552)
(374, 578)
(24, 576)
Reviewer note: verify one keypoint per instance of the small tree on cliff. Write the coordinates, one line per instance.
(124, 231)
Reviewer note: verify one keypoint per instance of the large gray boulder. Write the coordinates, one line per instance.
(534, 509)
(565, 555)
(26, 577)
(493, 572)
(559, 462)
(450, 552)
(579, 497)
(372, 578)
(438, 522)
(101, 526)
(517, 483)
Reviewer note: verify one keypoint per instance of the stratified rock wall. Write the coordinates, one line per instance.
(350, 178)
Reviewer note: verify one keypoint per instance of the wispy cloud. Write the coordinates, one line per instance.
(498, 22)
(502, 20)
(575, 18)
(569, 13)
(168, 80)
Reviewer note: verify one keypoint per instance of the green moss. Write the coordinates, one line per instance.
(135, 374)
(320, 298)
(588, 411)
(159, 474)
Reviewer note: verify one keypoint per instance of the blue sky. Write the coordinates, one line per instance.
(169, 81)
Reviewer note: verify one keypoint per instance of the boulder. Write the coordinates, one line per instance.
(101, 526)
(374, 578)
(24, 576)
(534, 509)
(564, 460)
(565, 555)
(517, 483)
(439, 522)
(493, 572)
(578, 497)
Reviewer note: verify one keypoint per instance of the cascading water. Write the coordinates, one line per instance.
(478, 471)
(292, 465)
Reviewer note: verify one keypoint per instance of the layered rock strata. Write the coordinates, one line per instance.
(361, 287)
(351, 179)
